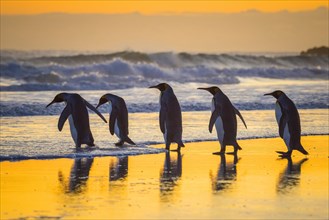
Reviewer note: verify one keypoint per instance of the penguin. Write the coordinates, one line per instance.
(118, 117)
(170, 116)
(76, 111)
(288, 121)
(224, 117)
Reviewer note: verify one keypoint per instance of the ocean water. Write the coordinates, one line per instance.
(30, 80)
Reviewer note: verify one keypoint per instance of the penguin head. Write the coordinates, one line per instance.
(102, 101)
(58, 98)
(213, 90)
(276, 94)
(162, 86)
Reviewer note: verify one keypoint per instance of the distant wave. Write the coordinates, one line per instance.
(31, 109)
(134, 69)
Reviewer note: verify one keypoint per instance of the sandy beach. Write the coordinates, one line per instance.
(100, 74)
(192, 185)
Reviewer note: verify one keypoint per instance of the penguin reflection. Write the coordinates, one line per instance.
(118, 169)
(226, 173)
(289, 178)
(172, 171)
(78, 177)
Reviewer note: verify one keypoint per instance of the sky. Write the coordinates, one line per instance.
(154, 7)
(152, 26)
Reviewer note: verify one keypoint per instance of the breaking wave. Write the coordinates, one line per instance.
(133, 69)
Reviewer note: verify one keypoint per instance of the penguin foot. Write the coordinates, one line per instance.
(219, 153)
(177, 150)
(92, 147)
(119, 144)
(284, 154)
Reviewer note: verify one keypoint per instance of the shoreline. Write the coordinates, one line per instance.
(150, 146)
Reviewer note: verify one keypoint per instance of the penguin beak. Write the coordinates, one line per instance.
(268, 94)
(50, 103)
(153, 87)
(207, 89)
(204, 89)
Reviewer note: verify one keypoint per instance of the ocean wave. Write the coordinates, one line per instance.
(134, 69)
(115, 74)
(170, 59)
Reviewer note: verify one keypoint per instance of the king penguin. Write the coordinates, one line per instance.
(224, 117)
(170, 116)
(288, 121)
(76, 111)
(118, 117)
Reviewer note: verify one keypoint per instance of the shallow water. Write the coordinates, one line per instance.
(193, 185)
(38, 137)
(247, 95)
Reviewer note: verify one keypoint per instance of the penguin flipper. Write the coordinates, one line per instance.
(64, 115)
(240, 116)
(91, 107)
(113, 118)
(162, 119)
(213, 119)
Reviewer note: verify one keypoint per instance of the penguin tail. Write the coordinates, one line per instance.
(236, 145)
(301, 149)
(180, 144)
(129, 141)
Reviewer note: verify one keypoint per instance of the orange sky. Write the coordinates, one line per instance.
(153, 7)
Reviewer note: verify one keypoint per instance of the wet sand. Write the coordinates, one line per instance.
(193, 184)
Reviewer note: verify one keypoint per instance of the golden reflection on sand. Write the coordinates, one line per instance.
(190, 184)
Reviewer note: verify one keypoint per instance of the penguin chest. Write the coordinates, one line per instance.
(220, 130)
(219, 125)
(286, 136)
(116, 127)
(286, 133)
(165, 134)
(278, 113)
(166, 131)
(74, 132)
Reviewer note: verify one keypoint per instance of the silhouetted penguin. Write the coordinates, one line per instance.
(289, 123)
(170, 116)
(118, 117)
(76, 111)
(224, 117)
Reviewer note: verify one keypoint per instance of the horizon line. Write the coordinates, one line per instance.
(172, 13)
